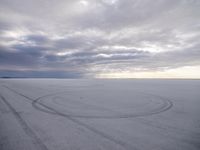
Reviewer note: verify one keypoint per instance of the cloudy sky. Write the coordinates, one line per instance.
(100, 38)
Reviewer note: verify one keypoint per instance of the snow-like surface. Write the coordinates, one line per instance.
(59, 114)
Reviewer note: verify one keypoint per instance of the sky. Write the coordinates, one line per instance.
(100, 38)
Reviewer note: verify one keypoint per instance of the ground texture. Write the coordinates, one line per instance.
(61, 114)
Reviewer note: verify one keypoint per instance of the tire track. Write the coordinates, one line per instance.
(166, 105)
(28, 98)
(35, 140)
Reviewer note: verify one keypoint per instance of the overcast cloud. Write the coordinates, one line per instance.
(85, 38)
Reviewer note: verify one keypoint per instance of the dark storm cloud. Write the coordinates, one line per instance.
(86, 35)
(37, 39)
(35, 51)
(39, 74)
(21, 58)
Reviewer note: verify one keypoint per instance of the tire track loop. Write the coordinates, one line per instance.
(36, 141)
(123, 144)
(166, 105)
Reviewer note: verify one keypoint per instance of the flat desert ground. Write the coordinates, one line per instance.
(99, 114)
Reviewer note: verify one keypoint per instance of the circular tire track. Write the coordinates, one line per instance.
(165, 105)
(36, 103)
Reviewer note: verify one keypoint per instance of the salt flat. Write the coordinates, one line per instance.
(77, 114)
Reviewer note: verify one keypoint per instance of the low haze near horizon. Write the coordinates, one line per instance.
(100, 38)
